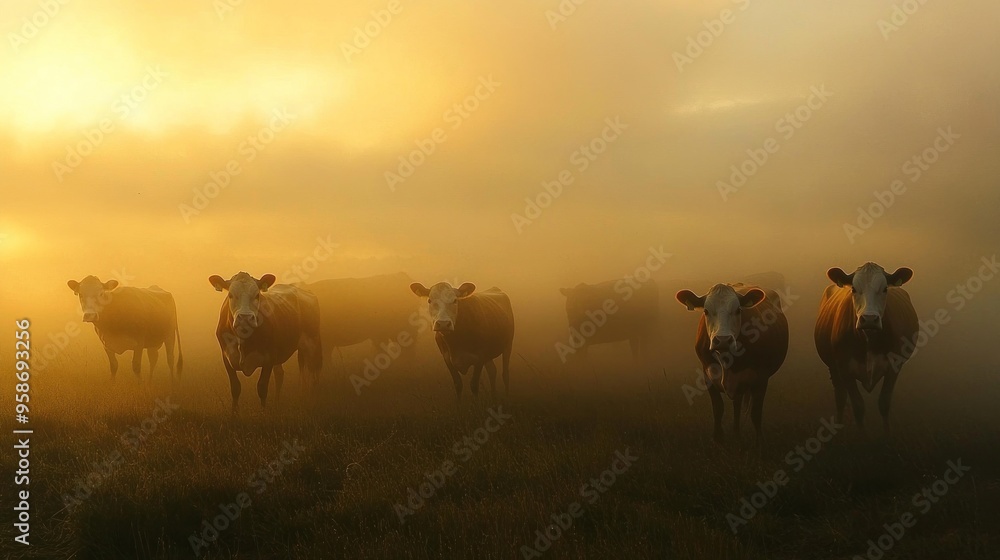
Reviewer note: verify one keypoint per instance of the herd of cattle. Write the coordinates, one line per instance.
(865, 321)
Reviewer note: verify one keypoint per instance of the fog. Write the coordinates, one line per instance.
(318, 198)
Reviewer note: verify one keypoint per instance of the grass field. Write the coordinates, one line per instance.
(358, 456)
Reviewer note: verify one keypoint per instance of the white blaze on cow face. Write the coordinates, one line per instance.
(442, 302)
(244, 299)
(869, 290)
(723, 313)
(94, 296)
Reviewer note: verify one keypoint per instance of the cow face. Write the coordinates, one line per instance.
(869, 289)
(442, 302)
(244, 299)
(723, 309)
(94, 296)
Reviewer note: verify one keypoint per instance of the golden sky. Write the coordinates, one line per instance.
(200, 77)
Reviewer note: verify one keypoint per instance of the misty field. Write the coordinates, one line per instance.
(351, 460)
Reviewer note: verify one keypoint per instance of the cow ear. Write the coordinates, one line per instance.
(565, 291)
(752, 298)
(75, 286)
(110, 285)
(839, 277)
(218, 282)
(419, 289)
(466, 289)
(265, 282)
(900, 277)
(689, 300)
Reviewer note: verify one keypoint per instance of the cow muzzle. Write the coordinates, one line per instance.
(245, 322)
(722, 343)
(869, 322)
(90, 317)
(444, 325)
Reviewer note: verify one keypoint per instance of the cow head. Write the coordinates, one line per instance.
(94, 296)
(869, 287)
(244, 299)
(723, 312)
(577, 299)
(442, 302)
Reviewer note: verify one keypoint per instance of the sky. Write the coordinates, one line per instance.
(162, 142)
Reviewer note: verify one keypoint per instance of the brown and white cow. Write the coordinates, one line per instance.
(471, 329)
(135, 319)
(261, 324)
(864, 325)
(742, 341)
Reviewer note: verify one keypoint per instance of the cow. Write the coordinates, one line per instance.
(612, 311)
(471, 329)
(353, 310)
(261, 324)
(127, 318)
(742, 341)
(864, 333)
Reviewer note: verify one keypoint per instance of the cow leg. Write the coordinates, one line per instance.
(885, 398)
(839, 393)
(506, 372)
(154, 356)
(456, 377)
(491, 370)
(475, 380)
(279, 378)
(718, 408)
(857, 403)
(113, 360)
(757, 411)
(265, 378)
(234, 383)
(635, 345)
(737, 412)
(136, 361)
(169, 350)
